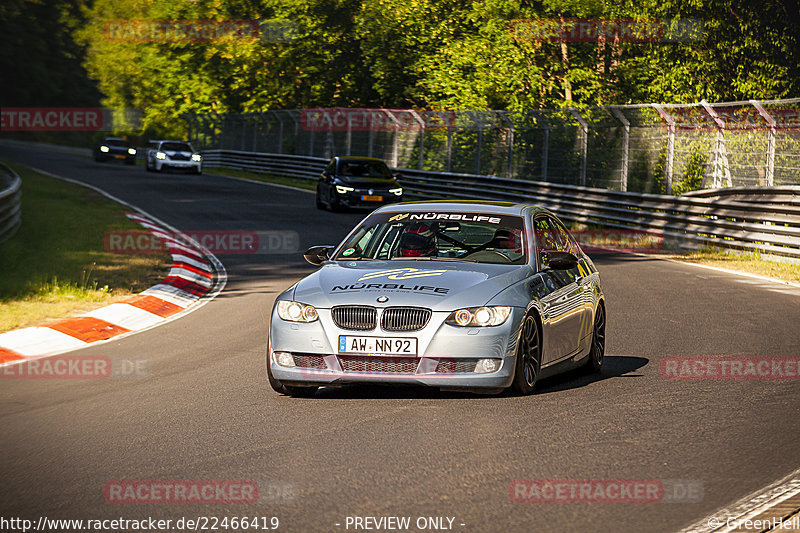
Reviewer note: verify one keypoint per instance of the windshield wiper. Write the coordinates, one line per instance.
(429, 258)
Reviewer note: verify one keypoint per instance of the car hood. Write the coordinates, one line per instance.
(354, 181)
(441, 286)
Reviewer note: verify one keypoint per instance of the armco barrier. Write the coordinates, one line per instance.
(770, 227)
(10, 202)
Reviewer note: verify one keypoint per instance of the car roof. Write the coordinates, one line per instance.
(485, 206)
(358, 158)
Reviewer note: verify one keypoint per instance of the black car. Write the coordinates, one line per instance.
(114, 148)
(357, 182)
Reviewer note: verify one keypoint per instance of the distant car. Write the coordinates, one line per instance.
(455, 295)
(114, 148)
(357, 182)
(163, 155)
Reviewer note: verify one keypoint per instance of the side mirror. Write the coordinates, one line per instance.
(560, 261)
(316, 255)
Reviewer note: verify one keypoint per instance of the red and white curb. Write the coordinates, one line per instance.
(195, 277)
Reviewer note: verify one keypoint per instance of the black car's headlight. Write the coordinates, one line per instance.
(342, 189)
(397, 192)
(479, 316)
(104, 148)
(296, 311)
(132, 151)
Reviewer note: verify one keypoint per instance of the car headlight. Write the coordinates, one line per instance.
(341, 189)
(196, 157)
(397, 192)
(479, 316)
(104, 148)
(296, 311)
(132, 151)
(161, 155)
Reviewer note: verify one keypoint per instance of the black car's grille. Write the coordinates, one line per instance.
(455, 366)
(391, 365)
(405, 318)
(179, 157)
(303, 360)
(355, 317)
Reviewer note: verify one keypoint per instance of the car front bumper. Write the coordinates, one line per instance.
(356, 199)
(444, 351)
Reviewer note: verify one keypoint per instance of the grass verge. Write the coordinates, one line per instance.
(56, 266)
(310, 185)
(745, 262)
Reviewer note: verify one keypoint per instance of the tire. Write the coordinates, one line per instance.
(320, 205)
(529, 356)
(598, 351)
(276, 385)
(300, 392)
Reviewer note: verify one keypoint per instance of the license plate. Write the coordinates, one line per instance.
(120, 156)
(369, 198)
(377, 345)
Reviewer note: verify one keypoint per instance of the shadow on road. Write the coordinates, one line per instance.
(615, 366)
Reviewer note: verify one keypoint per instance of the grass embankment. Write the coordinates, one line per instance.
(56, 266)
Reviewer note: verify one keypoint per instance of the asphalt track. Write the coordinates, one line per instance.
(206, 411)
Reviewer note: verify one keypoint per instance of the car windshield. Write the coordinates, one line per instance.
(364, 169)
(114, 142)
(438, 236)
(176, 147)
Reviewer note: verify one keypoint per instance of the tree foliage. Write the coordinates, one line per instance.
(393, 53)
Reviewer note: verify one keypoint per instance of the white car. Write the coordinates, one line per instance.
(180, 155)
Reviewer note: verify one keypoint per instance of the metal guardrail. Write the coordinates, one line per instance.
(10, 202)
(767, 227)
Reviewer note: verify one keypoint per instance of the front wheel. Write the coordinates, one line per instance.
(320, 204)
(529, 356)
(598, 351)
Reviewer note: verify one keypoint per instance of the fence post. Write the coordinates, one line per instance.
(626, 137)
(348, 140)
(480, 142)
(721, 168)
(769, 173)
(584, 142)
(449, 150)
(510, 152)
(396, 139)
(545, 141)
(421, 138)
(280, 130)
(670, 146)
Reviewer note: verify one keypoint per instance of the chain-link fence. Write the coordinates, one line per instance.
(644, 148)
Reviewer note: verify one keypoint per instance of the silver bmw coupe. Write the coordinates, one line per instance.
(476, 296)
